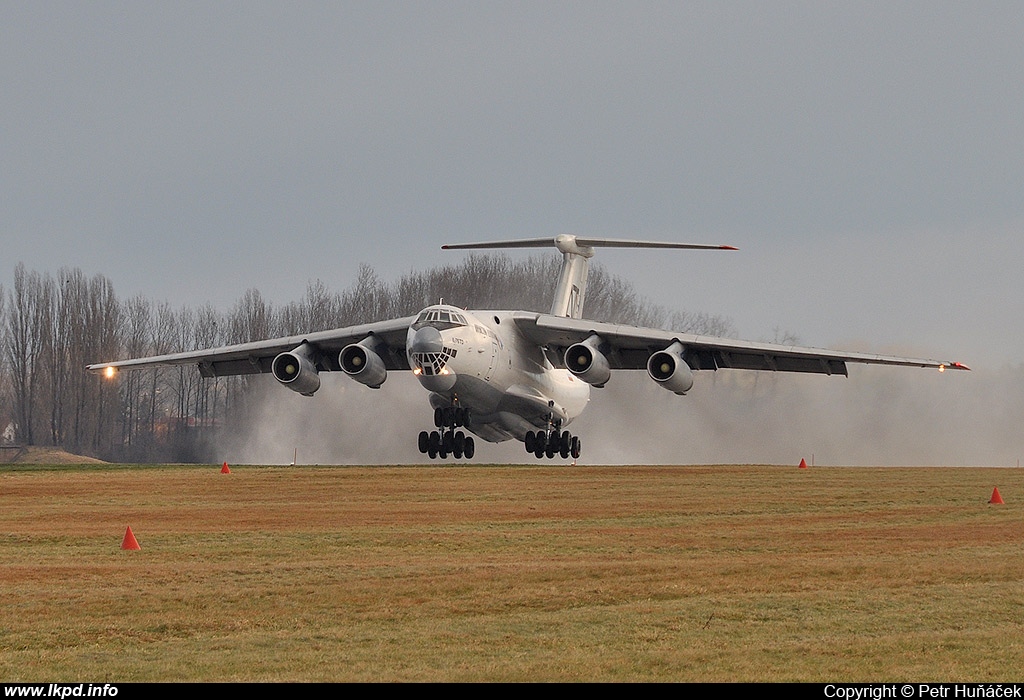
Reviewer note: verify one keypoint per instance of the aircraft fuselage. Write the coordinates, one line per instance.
(479, 361)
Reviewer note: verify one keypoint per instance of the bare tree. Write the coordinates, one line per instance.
(367, 300)
(702, 323)
(101, 339)
(26, 342)
(6, 417)
(251, 319)
(207, 333)
(137, 331)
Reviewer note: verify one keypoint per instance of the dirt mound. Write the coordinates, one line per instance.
(43, 455)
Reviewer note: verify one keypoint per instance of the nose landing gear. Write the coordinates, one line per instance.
(447, 440)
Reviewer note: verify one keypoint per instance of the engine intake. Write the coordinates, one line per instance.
(296, 370)
(586, 362)
(361, 362)
(668, 368)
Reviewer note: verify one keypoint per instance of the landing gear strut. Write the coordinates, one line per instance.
(447, 440)
(551, 442)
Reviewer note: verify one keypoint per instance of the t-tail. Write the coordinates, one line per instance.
(571, 288)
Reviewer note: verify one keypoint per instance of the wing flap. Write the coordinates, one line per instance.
(232, 368)
(773, 362)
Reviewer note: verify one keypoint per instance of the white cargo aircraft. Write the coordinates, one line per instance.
(510, 374)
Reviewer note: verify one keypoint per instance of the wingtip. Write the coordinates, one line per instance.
(953, 365)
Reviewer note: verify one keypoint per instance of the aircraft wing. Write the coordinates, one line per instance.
(629, 347)
(257, 357)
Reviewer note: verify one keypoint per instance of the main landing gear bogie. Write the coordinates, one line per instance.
(447, 440)
(552, 442)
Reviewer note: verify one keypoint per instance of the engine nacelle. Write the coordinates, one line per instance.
(361, 362)
(296, 370)
(586, 362)
(669, 370)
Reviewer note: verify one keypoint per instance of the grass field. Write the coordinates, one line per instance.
(496, 573)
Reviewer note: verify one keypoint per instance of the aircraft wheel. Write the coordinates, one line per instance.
(538, 449)
(432, 452)
(434, 441)
(529, 441)
(564, 444)
(438, 417)
(446, 441)
(424, 442)
(575, 450)
(459, 445)
(470, 449)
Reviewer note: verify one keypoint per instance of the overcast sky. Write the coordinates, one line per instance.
(867, 158)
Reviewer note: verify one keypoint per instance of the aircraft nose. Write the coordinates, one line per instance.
(430, 358)
(427, 339)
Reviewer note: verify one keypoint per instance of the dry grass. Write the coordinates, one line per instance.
(41, 455)
(477, 573)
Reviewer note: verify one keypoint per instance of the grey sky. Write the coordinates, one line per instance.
(866, 157)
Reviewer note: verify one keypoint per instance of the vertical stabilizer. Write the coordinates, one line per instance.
(571, 287)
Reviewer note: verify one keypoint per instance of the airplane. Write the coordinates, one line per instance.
(501, 375)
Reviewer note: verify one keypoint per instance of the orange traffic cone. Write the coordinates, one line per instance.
(996, 498)
(129, 541)
(224, 469)
(803, 463)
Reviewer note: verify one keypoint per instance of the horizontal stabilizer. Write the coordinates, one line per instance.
(576, 251)
(616, 243)
(568, 243)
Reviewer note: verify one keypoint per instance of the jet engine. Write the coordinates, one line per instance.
(669, 370)
(296, 370)
(361, 362)
(586, 362)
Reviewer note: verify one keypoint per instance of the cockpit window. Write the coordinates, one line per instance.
(441, 319)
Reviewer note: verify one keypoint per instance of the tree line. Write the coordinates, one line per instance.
(52, 327)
